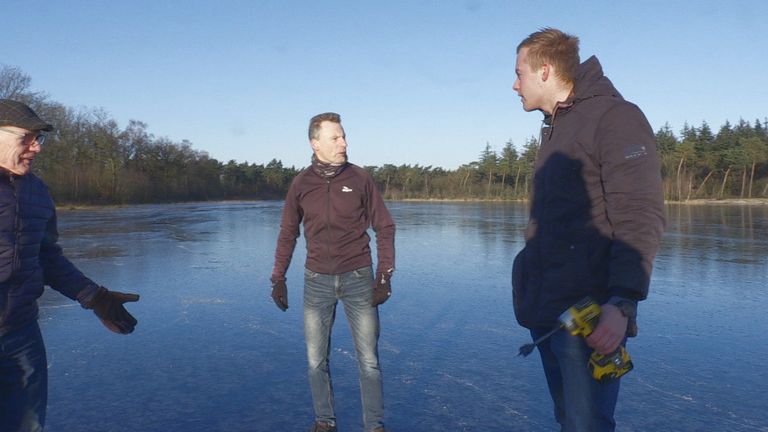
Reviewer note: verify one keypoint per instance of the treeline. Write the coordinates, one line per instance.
(733, 163)
(89, 159)
(494, 176)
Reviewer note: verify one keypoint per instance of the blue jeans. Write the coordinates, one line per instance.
(321, 294)
(581, 402)
(23, 380)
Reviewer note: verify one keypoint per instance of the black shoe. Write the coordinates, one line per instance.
(322, 427)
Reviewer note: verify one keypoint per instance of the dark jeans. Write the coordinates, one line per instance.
(321, 295)
(23, 380)
(582, 404)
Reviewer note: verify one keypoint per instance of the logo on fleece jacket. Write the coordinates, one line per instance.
(346, 189)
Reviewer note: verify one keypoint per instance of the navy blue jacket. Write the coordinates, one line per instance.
(597, 209)
(29, 254)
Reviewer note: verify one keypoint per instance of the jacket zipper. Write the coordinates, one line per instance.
(328, 221)
(16, 222)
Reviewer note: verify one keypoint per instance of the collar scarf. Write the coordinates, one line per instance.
(326, 170)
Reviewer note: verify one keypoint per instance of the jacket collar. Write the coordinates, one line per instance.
(326, 170)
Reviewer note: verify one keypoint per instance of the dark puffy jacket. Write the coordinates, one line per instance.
(336, 213)
(597, 210)
(29, 254)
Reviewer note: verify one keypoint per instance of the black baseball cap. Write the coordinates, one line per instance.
(13, 113)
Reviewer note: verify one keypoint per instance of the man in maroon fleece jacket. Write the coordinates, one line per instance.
(337, 202)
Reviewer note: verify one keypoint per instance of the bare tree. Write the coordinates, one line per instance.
(14, 84)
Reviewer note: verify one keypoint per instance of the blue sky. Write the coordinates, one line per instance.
(427, 82)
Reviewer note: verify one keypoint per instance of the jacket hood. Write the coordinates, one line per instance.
(591, 82)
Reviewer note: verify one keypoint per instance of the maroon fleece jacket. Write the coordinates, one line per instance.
(336, 213)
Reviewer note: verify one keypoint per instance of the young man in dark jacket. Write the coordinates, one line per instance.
(29, 259)
(337, 202)
(596, 219)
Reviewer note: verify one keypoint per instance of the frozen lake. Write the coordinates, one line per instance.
(212, 352)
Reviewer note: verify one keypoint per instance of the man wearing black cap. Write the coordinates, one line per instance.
(29, 259)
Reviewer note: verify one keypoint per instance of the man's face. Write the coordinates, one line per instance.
(330, 146)
(528, 83)
(18, 148)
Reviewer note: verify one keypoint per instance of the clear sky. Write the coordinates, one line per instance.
(416, 82)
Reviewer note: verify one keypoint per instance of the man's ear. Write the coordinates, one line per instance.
(313, 143)
(545, 71)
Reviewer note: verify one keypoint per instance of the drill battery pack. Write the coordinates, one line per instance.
(607, 367)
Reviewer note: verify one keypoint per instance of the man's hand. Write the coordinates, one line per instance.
(382, 289)
(280, 294)
(108, 307)
(610, 331)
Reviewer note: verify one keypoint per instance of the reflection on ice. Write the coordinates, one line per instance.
(211, 352)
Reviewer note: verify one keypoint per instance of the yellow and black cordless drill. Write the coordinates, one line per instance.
(581, 319)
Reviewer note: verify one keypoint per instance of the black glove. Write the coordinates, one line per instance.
(382, 289)
(108, 306)
(280, 294)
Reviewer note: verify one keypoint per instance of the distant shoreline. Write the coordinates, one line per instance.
(730, 201)
(697, 202)
(472, 200)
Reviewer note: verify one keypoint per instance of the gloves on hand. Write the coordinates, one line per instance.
(108, 307)
(382, 289)
(280, 294)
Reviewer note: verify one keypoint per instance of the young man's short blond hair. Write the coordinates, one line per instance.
(552, 46)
